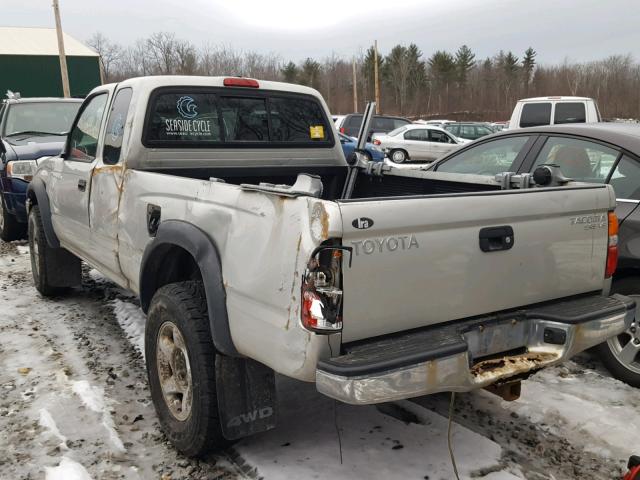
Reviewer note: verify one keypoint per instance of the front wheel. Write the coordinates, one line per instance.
(10, 228)
(53, 269)
(181, 360)
(398, 156)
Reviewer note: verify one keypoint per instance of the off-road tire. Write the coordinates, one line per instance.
(10, 228)
(53, 269)
(184, 305)
(624, 286)
(398, 156)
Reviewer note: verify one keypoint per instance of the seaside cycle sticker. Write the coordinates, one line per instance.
(187, 123)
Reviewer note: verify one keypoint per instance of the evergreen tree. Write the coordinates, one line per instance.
(528, 64)
(465, 60)
(289, 72)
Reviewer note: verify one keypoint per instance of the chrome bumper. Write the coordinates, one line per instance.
(537, 343)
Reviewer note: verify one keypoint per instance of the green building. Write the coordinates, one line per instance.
(29, 63)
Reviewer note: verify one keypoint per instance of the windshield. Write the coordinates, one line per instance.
(41, 117)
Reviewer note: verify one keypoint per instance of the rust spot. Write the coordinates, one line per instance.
(432, 373)
(512, 365)
(107, 169)
(324, 220)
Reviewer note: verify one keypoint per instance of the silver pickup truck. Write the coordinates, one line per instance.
(222, 203)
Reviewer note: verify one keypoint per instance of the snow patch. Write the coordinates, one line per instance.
(132, 320)
(46, 421)
(374, 445)
(93, 398)
(67, 470)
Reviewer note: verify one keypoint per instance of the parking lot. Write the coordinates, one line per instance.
(75, 400)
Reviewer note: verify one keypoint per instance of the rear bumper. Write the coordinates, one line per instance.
(470, 354)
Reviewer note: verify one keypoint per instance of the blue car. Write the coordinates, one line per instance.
(349, 145)
(30, 128)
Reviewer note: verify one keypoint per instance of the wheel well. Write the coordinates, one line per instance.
(169, 264)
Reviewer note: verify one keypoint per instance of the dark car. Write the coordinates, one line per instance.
(379, 124)
(469, 130)
(596, 152)
(30, 128)
(349, 145)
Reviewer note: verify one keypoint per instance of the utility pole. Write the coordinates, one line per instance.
(355, 87)
(63, 59)
(375, 75)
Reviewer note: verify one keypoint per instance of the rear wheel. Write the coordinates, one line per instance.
(10, 228)
(181, 368)
(621, 354)
(398, 156)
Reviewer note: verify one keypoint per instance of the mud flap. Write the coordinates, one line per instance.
(246, 392)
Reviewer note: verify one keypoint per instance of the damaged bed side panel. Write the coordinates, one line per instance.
(264, 241)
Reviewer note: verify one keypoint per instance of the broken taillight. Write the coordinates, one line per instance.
(612, 245)
(322, 290)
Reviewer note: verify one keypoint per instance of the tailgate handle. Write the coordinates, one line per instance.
(495, 239)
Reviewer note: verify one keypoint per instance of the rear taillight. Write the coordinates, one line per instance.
(322, 290)
(376, 142)
(612, 246)
(240, 82)
(341, 129)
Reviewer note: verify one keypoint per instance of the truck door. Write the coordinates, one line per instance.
(106, 186)
(71, 177)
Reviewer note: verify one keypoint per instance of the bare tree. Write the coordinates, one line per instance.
(109, 52)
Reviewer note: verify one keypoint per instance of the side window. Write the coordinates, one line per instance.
(353, 121)
(468, 131)
(626, 179)
(415, 134)
(482, 131)
(115, 127)
(569, 113)
(534, 114)
(489, 158)
(439, 137)
(84, 136)
(578, 159)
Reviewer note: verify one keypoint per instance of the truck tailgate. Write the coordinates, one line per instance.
(418, 261)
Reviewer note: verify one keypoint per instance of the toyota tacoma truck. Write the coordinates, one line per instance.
(227, 206)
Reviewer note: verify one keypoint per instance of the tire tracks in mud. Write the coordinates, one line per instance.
(70, 339)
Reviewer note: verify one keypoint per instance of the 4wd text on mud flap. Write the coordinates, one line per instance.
(238, 420)
(390, 244)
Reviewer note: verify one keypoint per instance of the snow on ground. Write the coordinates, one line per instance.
(75, 406)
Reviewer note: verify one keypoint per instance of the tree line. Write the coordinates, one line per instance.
(453, 85)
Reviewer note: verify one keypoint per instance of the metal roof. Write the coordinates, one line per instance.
(624, 135)
(39, 41)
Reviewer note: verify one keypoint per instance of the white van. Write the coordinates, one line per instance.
(533, 112)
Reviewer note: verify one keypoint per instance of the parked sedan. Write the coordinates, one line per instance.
(469, 130)
(597, 152)
(349, 145)
(417, 142)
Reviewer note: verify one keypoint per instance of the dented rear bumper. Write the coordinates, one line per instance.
(470, 354)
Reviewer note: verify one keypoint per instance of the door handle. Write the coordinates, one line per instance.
(495, 239)
(82, 184)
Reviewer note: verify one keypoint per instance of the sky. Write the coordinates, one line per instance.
(579, 30)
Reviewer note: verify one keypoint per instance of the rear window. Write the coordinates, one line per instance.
(223, 117)
(570, 113)
(535, 114)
